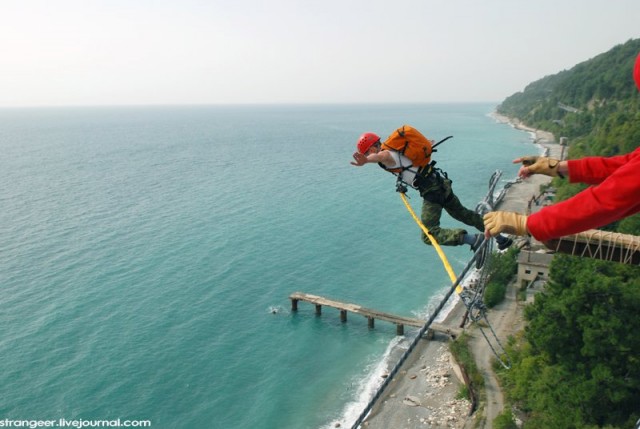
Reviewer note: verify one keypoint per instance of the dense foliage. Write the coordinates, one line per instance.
(503, 266)
(577, 365)
(592, 99)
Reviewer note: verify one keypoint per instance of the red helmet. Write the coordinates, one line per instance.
(366, 141)
(636, 72)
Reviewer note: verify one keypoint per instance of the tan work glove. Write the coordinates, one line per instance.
(508, 222)
(538, 165)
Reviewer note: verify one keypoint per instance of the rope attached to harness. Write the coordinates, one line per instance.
(432, 239)
(475, 306)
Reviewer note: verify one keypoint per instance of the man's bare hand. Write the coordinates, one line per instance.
(360, 159)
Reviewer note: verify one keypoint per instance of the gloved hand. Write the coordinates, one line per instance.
(538, 165)
(508, 222)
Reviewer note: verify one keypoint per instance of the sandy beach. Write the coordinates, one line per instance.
(425, 393)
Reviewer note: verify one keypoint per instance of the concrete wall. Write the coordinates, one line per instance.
(532, 265)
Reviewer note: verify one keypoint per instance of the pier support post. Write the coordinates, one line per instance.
(371, 322)
(345, 308)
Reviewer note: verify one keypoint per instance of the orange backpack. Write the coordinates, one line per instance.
(410, 143)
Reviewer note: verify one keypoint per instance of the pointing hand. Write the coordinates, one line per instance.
(538, 165)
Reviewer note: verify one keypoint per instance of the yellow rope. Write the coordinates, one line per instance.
(433, 241)
(459, 288)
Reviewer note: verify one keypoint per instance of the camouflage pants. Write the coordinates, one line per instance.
(440, 196)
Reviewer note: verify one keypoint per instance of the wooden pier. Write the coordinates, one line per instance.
(370, 314)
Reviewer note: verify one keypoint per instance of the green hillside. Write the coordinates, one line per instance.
(577, 365)
(590, 100)
(596, 104)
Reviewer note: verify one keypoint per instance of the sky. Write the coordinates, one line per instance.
(146, 52)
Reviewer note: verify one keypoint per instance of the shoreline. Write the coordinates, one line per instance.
(424, 391)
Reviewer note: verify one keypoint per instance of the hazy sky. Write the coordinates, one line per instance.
(113, 52)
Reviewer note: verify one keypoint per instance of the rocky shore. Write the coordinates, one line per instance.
(426, 392)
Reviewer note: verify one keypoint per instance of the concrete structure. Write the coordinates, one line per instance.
(532, 265)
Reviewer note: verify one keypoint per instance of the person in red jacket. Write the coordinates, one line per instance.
(616, 194)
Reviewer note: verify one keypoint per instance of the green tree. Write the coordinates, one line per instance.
(581, 362)
(502, 268)
(577, 363)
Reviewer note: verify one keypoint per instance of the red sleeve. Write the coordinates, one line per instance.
(616, 197)
(594, 169)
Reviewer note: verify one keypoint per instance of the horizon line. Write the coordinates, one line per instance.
(247, 104)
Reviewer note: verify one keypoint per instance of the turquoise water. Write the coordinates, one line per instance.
(148, 254)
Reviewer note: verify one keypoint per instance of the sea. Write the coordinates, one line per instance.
(147, 256)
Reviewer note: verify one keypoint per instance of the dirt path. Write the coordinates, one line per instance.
(506, 319)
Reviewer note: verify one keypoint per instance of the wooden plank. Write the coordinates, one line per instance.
(596, 244)
(369, 313)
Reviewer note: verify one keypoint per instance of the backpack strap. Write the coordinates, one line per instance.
(440, 142)
(401, 168)
(428, 169)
